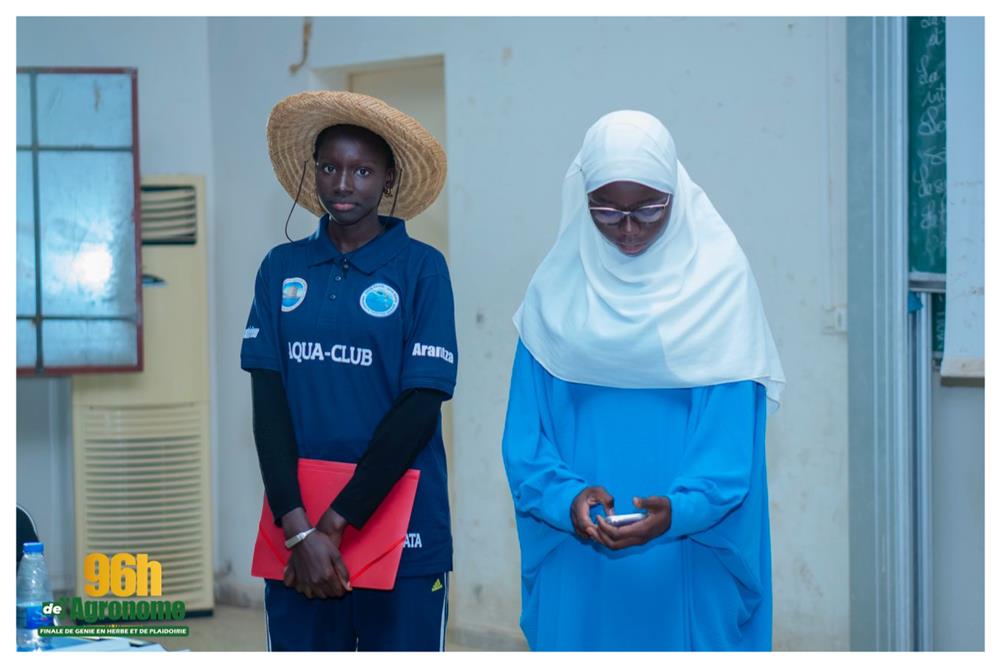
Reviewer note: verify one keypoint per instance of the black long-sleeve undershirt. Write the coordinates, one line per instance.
(403, 432)
(274, 436)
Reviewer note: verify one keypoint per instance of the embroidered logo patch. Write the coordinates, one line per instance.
(437, 586)
(293, 293)
(250, 332)
(379, 300)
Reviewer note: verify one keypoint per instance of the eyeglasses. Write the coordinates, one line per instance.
(644, 215)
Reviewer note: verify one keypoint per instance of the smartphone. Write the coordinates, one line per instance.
(619, 520)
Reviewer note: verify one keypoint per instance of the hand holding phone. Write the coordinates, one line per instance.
(619, 520)
(651, 524)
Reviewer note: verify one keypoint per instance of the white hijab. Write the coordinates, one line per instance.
(685, 313)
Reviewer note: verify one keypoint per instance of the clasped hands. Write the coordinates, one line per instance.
(315, 567)
(655, 523)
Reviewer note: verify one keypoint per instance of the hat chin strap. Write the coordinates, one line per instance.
(295, 201)
(395, 196)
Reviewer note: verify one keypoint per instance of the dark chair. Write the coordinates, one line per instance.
(26, 531)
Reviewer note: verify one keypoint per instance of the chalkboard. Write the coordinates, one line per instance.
(927, 143)
(938, 322)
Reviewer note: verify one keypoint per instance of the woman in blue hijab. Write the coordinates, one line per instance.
(642, 380)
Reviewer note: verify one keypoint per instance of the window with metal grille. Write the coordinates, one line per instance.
(79, 296)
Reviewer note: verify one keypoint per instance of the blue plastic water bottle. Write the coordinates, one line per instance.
(33, 592)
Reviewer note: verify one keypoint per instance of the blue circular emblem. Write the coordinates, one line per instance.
(379, 300)
(293, 293)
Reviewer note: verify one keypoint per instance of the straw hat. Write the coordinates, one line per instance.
(295, 122)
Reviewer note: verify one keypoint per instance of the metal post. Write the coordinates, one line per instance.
(923, 343)
(881, 476)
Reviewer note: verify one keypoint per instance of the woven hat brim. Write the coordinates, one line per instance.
(296, 120)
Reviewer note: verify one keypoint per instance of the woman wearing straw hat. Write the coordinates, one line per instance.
(640, 384)
(351, 348)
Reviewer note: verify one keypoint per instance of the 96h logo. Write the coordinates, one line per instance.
(123, 575)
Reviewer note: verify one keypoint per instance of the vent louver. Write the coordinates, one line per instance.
(143, 488)
(169, 215)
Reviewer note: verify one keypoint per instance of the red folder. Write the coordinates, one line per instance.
(371, 554)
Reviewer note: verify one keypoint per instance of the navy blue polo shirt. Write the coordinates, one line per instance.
(349, 333)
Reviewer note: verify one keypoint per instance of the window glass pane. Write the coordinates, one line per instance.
(23, 109)
(84, 109)
(25, 236)
(89, 343)
(25, 343)
(88, 237)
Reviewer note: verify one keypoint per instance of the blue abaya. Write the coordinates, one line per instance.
(705, 584)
